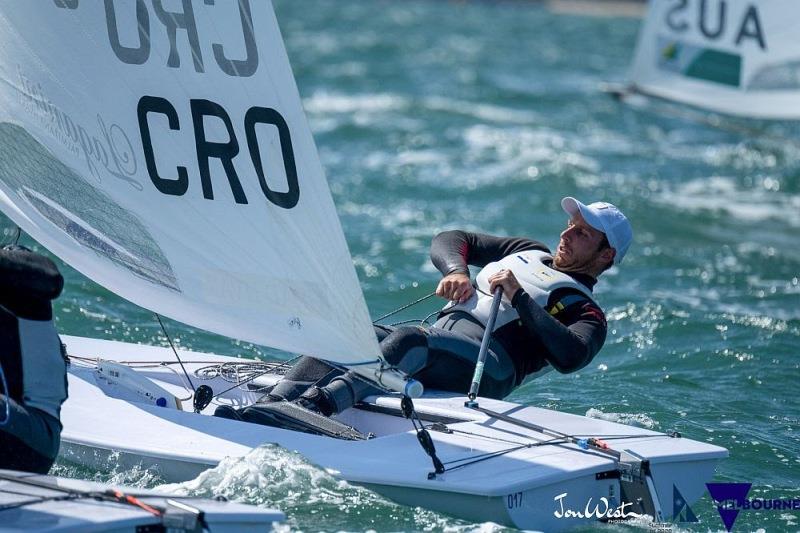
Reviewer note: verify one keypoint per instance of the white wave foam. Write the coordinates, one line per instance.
(723, 194)
(769, 324)
(516, 150)
(311, 497)
(113, 472)
(488, 112)
(390, 161)
(640, 420)
(266, 475)
(325, 102)
(92, 314)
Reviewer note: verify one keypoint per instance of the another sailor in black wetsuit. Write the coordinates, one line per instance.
(34, 376)
(548, 317)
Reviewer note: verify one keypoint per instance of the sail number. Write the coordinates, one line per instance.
(711, 18)
(179, 18)
(225, 151)
(514, 500)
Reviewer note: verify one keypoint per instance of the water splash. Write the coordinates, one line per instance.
(113, 473)
(639, 420)
(312, 498)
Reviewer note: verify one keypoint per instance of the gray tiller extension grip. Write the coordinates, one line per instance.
(487, 334)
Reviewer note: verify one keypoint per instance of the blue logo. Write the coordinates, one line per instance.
(725, 494)
(681, 512)
(731, 498)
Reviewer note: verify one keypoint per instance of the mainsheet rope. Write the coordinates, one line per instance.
(415, 302)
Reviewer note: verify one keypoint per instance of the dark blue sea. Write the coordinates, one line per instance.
(433, 115)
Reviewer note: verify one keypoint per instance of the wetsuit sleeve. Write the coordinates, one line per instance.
(572, 341)
(452, 251)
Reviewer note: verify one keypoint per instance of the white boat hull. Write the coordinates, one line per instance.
(520, 486)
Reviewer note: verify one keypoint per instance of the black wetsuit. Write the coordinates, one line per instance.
(566, 334)
(34, 381)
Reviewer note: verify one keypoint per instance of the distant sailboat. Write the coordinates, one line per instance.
(734, 57)
(166, 155)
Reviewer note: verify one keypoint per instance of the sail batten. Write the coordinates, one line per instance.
(734, 57)
(165, 154)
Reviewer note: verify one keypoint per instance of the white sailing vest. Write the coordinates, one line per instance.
(535, 278)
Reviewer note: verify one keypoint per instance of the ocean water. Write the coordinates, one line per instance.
(432, 115)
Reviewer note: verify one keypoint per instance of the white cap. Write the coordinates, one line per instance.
(604, 217)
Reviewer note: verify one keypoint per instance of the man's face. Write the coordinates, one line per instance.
(579, 248)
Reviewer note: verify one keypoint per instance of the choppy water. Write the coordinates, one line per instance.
(431, 115)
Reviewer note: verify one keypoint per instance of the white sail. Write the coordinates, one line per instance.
(737, 57)
(160, 148)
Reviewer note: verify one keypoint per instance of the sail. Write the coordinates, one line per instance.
(737, 57)
(161, 149)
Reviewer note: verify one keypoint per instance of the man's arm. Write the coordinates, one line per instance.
(452, 251)
(570, 345)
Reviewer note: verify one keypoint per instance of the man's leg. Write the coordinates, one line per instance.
(455, 339)
(304, 374)
(301, 381)
(308, 372)
(403, 347)
(440, 358)
(452, 360)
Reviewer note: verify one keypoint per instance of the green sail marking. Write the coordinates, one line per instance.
(718, 67)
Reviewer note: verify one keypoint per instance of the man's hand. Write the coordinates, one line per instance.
(455, 287)
(505, 279)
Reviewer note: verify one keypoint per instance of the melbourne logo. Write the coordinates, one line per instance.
(731, 498)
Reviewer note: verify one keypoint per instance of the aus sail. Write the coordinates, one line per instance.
(736, 57)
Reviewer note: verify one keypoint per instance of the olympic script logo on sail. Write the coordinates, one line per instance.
(109, 147)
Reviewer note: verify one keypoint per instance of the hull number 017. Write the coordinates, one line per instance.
(514, 500)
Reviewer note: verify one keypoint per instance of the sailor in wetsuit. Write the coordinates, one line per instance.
(547, 319)
(33, 381)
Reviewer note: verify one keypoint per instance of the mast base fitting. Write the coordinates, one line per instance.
(393, 380)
